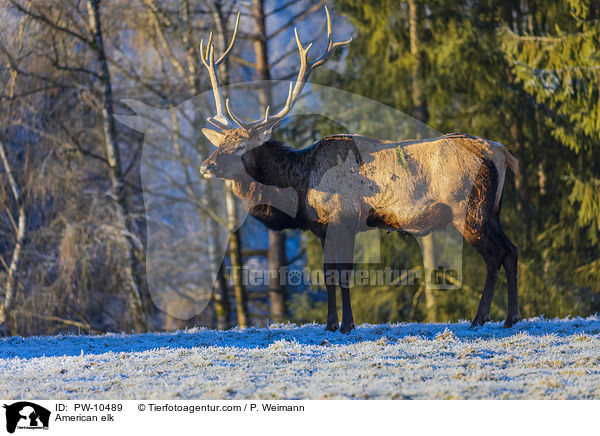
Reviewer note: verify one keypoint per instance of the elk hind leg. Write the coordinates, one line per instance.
(509, 263)
(481, 229)
(490, 246)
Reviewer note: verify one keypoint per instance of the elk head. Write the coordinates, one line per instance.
(233, 137)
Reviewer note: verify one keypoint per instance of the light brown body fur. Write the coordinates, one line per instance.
(403, 193)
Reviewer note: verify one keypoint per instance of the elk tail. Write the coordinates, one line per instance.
(511, 161)
(513, 164)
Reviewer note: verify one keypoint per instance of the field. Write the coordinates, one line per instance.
(538, 358)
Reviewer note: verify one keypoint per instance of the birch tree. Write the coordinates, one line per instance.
(9, 287)
(175, 35)
(90, 74)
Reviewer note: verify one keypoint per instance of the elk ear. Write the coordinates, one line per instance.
(215, 138)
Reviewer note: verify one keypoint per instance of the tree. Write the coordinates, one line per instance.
(113, 158)
(20, 227)
(174, 35)
(96, 86)
(72, 232)
(557, 64)
(416, 12)
(263, 44)
(276, 255)
(561, 72)
(9, 286)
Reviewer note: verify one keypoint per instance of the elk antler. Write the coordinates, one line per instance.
(208, 59)
(306, 68)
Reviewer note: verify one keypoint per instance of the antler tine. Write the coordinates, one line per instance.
(306, 68)
(331, 46)
(288, 103)
(237, 120)
(208, 60)
(202, 53)
(235, 30)
(243, 125)
(261, 122)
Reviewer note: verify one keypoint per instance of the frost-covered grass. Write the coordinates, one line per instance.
(537, 358)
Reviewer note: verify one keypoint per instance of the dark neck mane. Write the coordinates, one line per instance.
(274, 163)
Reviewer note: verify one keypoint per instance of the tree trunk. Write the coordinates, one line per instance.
(113, 157)
(220, 296)
(10, 283)
(221, 302)
(416, 12)
(235, 236)
(235, 256)
(261, 49)
(277, 262)
(276, 254)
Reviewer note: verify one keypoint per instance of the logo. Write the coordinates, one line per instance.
(26, 415)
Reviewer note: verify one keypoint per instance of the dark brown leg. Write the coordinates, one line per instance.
(332, 315)
(345, 272)
(491, 248)
(483, 311)
(482, 229)
(339, 244)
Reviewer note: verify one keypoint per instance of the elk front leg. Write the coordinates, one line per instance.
(339, 244)
(330, 283)
(344, 273)
(332, 315)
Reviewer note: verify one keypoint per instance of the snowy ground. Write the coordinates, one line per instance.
(536, 359)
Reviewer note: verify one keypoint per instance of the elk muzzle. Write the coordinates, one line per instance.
(206, 169)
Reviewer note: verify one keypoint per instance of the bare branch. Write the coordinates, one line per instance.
(296, 18)
(295, 89)
(44, 19)
(282, 7)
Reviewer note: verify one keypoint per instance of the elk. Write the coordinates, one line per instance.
(346, 184)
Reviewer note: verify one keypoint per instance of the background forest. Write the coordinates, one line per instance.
(73, 233)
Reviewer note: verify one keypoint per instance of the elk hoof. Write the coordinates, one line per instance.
(511, 321)
(347, 327)
(479, 320)
(331, 326)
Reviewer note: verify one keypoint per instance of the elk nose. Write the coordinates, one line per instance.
(206, 168)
